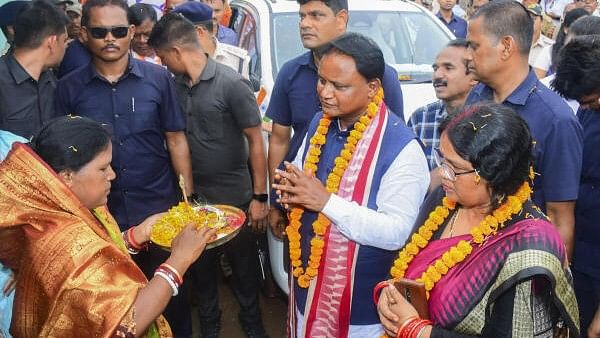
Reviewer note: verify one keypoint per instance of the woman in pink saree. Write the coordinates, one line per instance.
(492, 263)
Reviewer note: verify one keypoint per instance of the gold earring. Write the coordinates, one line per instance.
(477, 178)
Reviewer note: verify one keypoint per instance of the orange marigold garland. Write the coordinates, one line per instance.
(321, 224)
(489, 226)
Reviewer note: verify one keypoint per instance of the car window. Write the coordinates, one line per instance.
(409, 41)
(245, 25)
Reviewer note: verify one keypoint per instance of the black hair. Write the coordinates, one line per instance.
(507, 18)
(570, 17)
(89, 4)
(365, 52)
(335, 5)
(140, 12)
(587, 25)
(578, 61)
(171, 29)
(70, 142)
(38, 21)
(459, 43)
(208, 25)
(496, 141)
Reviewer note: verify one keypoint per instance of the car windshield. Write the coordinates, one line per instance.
(409, 41)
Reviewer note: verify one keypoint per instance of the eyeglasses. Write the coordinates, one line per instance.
(447, 171)
(118, 32)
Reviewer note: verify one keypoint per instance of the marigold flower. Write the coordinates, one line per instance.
(310, 166)
(464, 247)
(338, 171)
(304, 281)
(441, 267)
(412, 248)
(356, 134)
(419, 240)
(346, 155)
(317, 242)
(312, 272)
(433, 274)
(447, 259)
(360, 127)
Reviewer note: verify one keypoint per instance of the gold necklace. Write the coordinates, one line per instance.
(452, 221)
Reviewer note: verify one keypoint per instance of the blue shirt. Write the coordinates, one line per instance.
(457, 25)
(6, 141)
(587, 210)
(557, 135)
(425, 123)
(295, 101)
(76, 55)
(227, 35)
(140, 107)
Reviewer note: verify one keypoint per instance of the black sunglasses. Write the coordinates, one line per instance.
(118, 32)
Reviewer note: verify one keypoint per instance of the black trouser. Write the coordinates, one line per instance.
(242, 254)
(178, 311)
(587, 290)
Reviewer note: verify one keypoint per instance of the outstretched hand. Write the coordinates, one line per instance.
(301, 189)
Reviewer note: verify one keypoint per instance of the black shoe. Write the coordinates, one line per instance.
(210, 329)
(254, 330)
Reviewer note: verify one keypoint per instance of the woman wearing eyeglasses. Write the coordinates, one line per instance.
(491, 263)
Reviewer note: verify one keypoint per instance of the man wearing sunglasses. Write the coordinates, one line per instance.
(27, 84)
(150, 149)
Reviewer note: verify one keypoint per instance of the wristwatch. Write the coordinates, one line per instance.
(260, 197)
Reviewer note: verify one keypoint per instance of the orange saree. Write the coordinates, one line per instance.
(72, 279)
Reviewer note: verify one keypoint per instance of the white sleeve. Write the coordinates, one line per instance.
(400, 195)
(298, 159)
(543, 59)
(558, 7)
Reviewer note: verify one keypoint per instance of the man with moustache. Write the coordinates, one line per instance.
(452, 81)
(294, 100)
(27, 84)
(500, 36)
(150, 149)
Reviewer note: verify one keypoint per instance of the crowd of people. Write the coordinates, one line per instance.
(484, 201)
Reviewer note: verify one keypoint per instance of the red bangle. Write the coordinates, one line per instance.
(406, 333)
(174, 271)
(132, 240)
(402, 328)
(377, 290)
(418, 327)
(170, 274)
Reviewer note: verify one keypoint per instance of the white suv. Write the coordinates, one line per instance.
(409, 36)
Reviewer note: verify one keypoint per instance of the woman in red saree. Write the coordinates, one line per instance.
(74, 276)
(492, 263)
